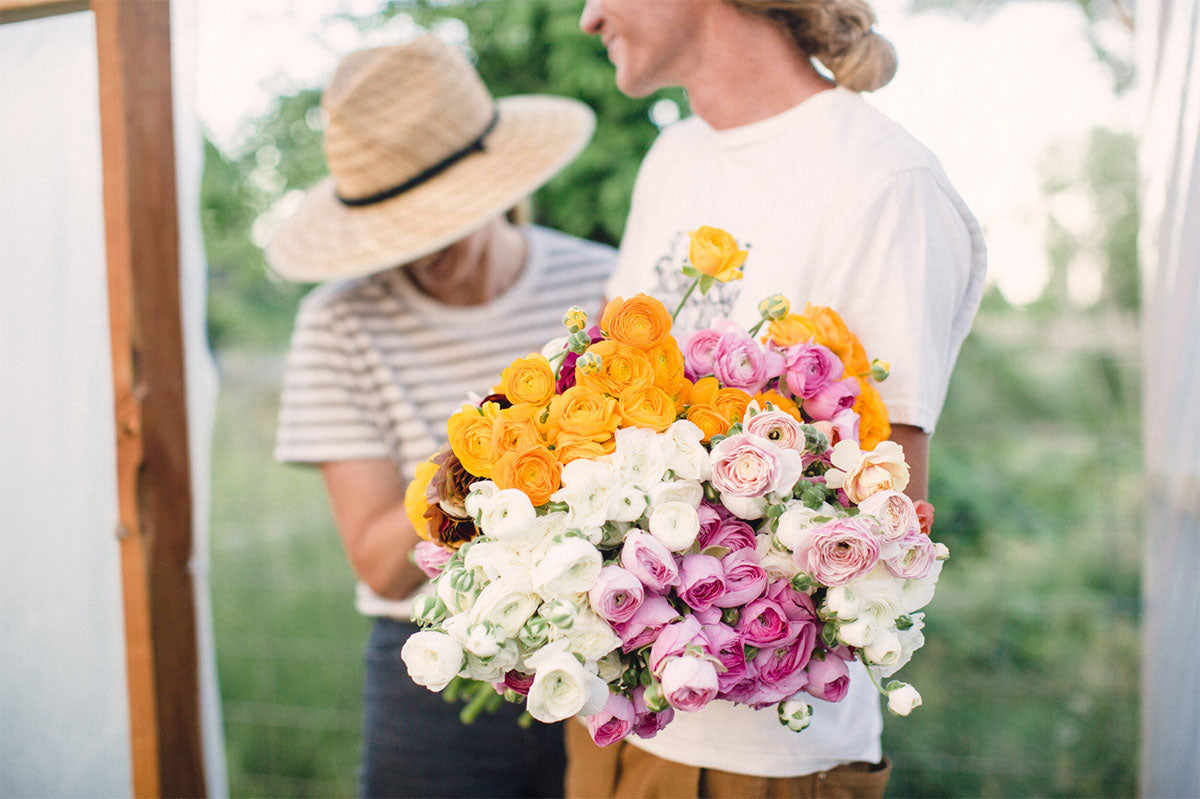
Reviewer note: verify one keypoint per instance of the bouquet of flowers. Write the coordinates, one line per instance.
(630, 527)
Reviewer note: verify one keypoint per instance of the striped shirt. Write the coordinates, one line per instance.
(376, 366)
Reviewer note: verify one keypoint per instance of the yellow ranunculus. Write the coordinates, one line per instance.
(528, 380)
(621, 366)
(791, 329)
(667, 362)
(415, 503)
(715, 253)
(515, 429)
(642, 321)
(470, 434)
(584, 412)
(569, 447)
(710, 420)
(535, 471)
(732, 402)
(647, 406)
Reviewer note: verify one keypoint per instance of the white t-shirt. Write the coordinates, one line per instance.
(376, 366)
(839, 206)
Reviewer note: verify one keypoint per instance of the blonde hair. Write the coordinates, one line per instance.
(837, 33)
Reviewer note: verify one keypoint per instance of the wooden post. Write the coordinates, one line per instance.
(154, 483)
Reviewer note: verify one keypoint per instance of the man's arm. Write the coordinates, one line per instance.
(916, 452)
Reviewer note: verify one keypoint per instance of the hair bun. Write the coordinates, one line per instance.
(866, 65)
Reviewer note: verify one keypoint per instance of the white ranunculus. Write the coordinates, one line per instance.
(628, 503)
(455, 601)
(877, 594)
(497, 561)
(748, 508)
(433, 659)
(859, 632)
(776, 561)
(587, 488)
(911, 640)
(903, 699)
(884, 649)
(591, 636)
(683, 453)
(492, 669)
(795, 520)
(500, 605)
(483, 640)
(480, 492)
(638, 457)
(568, 566)
(507, 516)
(916, 594)
(562, 687)
(689, 491)
(675, 524)
(554, 346)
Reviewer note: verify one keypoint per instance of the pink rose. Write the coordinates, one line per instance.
(672, 641)
(725, 643)
(701, 581)
(915, 559)
(763, 623)
(838, 551)
(698, 350)
(745, 579)
(430, 558)
(612, 723)
(746, 465)
(831, 399)
(828, 678)
(741, 362)
(646, 722)
(617, 594)
(689, 683)
(647, 620)
(895, 512)
(809, 368)
(780, 428)
(650, 561)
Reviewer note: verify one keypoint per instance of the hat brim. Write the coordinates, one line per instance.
(535, 137)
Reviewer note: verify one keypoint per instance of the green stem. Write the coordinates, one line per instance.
(754, 330)
(867, 664)
(684, 299)
(478, 702)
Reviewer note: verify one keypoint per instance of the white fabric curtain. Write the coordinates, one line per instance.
(1169, 241)
(64, 719)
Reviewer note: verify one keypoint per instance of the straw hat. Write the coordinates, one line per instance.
(419, 155)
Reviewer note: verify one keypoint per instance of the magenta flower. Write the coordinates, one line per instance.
(726, 644)
(797, 605)
(832, 399)
(672, 640)
(809, 368)
(646, 722)
(781, 669)
(701, 581)
(727, 531)
(617, 594)
(612, 723)
(838, 551)
(518, 682)
(828, 678)
(764, 623)
(650, 561)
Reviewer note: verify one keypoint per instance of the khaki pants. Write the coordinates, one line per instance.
(623, 771)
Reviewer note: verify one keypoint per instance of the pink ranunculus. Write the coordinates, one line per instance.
(726, 645)
(698, 350)
(710, 516)
(845, 426)
(672, 640)
(518, 682)
(810, 368)
(781, 668)
(701, 581)
(646, 722)
(689, 683)
(764, 623)
(741, 362)
(895, 512)
(708, 615)
(650, 561)
(915, 559)
(612, 723)
(430, 558)
(746, 465)
(729, 532)
(838, 551)
(780, 428)
(797, 606)
(617, 594)
(835, 397)
(745, 578)
(655, 613)
(828, 678)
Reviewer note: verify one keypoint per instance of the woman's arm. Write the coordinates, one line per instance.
(367, 499)
(916, 453)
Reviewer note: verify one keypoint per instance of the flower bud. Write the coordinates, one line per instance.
(428, 609)
(461, 580)
(902, 698)
(589, 363)
(880, 370)
(815, 442)
(575, 319)
(795, 714)
(534, 634)
(655, 699)
(774, 307)
(560, 613)
(802, 582)
(579, 341)
(730, 616)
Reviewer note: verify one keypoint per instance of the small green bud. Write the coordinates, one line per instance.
(655, 699)
(428, 609)
(774, 307)
(461, 580)
(575, 319)
(880, 370)
(578, 342)
(802, 582)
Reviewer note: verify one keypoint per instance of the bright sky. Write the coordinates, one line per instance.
(988, 96)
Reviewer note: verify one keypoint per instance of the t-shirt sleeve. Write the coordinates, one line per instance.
(908, 279)
(326, 412)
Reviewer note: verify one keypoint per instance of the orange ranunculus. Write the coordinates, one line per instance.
(710, 420)
(832, 332)
(470, 434)
(642, 322)
(791, 329)
(703, 391)
(732, 402)
(647, 406)
(584, 412)
(715, 253)
(873, 425)
(568, 447)
(535, 471)
(516, 429)
(414, 497)
(666, 360)
(529, 380)
(785, 404)
(621, 366)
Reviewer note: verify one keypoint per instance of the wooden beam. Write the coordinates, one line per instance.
(154, 482)
(22, 10)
